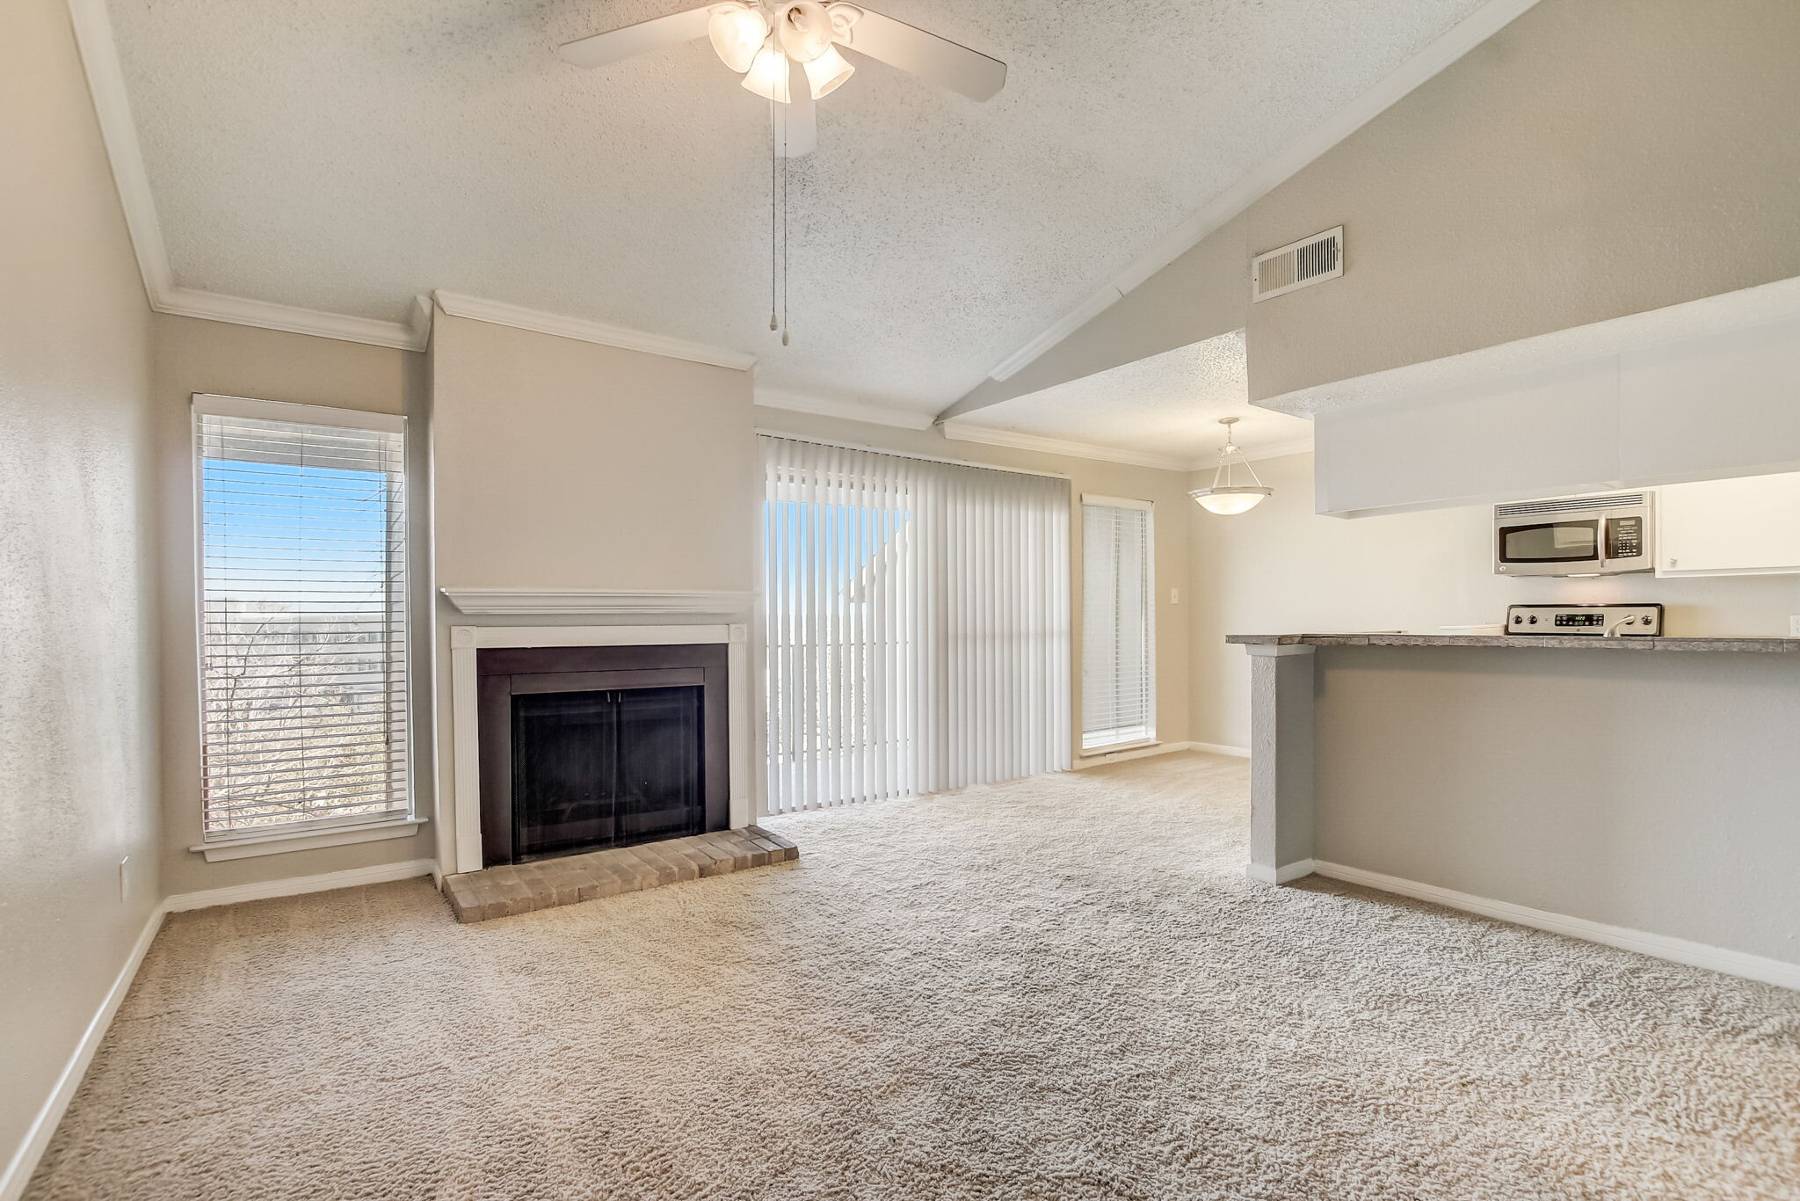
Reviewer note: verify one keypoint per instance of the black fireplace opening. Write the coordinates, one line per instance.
(605, 768)
(589, 747)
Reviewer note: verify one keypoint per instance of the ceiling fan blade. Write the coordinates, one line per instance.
(797, 121)
(926, 55)
(610, 47)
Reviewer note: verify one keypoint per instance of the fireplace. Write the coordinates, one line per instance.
(586, 747)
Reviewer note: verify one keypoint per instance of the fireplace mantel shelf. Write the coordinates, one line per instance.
(516, 602)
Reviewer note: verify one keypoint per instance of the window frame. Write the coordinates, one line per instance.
(1148, 735)
(325, 832)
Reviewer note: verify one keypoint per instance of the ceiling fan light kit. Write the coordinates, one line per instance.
(769, 76)
(826, 73)
(1226, 498)
(756, 39)
(737, 32)
(765, 41)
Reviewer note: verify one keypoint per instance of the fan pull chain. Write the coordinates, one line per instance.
(785, 326)
(772, 246)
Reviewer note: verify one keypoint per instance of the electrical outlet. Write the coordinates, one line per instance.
(124, 878)
(1794, 625)
(1175, 597)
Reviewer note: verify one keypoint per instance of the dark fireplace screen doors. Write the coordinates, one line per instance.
(590, 747)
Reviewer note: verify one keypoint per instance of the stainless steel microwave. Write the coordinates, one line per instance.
(1576, 535)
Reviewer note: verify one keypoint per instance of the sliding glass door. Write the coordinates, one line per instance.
(916, 624)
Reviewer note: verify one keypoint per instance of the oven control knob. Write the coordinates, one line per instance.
(1534, 619)
(1518, 619)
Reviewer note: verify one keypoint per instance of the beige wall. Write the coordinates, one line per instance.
(1167, 489)
(235, 360)
(562, 464)
(77, 578)
(1594, 158)
(1668, 804)
(1283, 568)
(1202, 294)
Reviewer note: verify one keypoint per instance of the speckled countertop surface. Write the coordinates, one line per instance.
(1755, 645)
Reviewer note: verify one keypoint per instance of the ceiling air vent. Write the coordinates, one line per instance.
(1298, 265)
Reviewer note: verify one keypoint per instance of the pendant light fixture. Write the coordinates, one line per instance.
(1228, 499)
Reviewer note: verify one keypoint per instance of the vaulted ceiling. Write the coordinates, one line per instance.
(346, 156)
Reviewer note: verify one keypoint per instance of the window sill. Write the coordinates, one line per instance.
(302, 840)
(1113, 748)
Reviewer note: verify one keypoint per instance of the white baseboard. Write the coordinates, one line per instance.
(37, 1137)
(380, 873)
(1102, 758)
(1282, 874)
(1219, 748)
(1658, 946)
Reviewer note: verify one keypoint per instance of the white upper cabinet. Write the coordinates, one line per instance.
(1746, 526)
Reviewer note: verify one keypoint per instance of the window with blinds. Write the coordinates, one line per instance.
(302, 568)
(916, 624)
(1118, 630)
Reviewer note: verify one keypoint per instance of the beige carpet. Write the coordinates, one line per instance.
(1060, 988)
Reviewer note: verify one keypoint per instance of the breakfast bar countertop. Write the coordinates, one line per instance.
(1541, 641)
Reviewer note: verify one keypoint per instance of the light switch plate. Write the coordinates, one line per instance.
(1794, 625)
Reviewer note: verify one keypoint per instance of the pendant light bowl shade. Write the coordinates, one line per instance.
(827, 73)
(1229, 502)
(1224, 497)
(737, 32)
(768, 75)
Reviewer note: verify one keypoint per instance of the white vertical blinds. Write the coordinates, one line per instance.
(302, 549)
(1118, 631)
(916, 624)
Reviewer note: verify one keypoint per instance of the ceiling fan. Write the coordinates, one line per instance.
(787, 52)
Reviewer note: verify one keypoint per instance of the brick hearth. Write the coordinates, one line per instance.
(523, 887)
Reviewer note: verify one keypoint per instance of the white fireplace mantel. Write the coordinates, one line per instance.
(526, 602)
(464, 793)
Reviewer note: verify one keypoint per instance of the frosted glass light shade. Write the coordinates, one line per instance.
(737, 33)
(1229, 501)
(826, 73)
(768, 75)
(805, 31)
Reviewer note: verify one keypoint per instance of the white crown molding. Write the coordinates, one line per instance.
(958, 431)
(847, 410)
(962, 431)
(118, 131)
(1257, 453)
(513, 602)
(1468, 33)
(263, 314)
(496, 312)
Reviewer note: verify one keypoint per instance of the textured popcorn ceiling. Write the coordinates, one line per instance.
(1168, 405)
(344, 156)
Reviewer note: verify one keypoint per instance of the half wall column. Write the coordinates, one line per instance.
(1281, 762)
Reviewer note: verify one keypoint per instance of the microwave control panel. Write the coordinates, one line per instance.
(1624, 537)
(1590, 621)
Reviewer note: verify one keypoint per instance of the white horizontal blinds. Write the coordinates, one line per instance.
(915, 624)
(1118, 673)
(303, 619)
